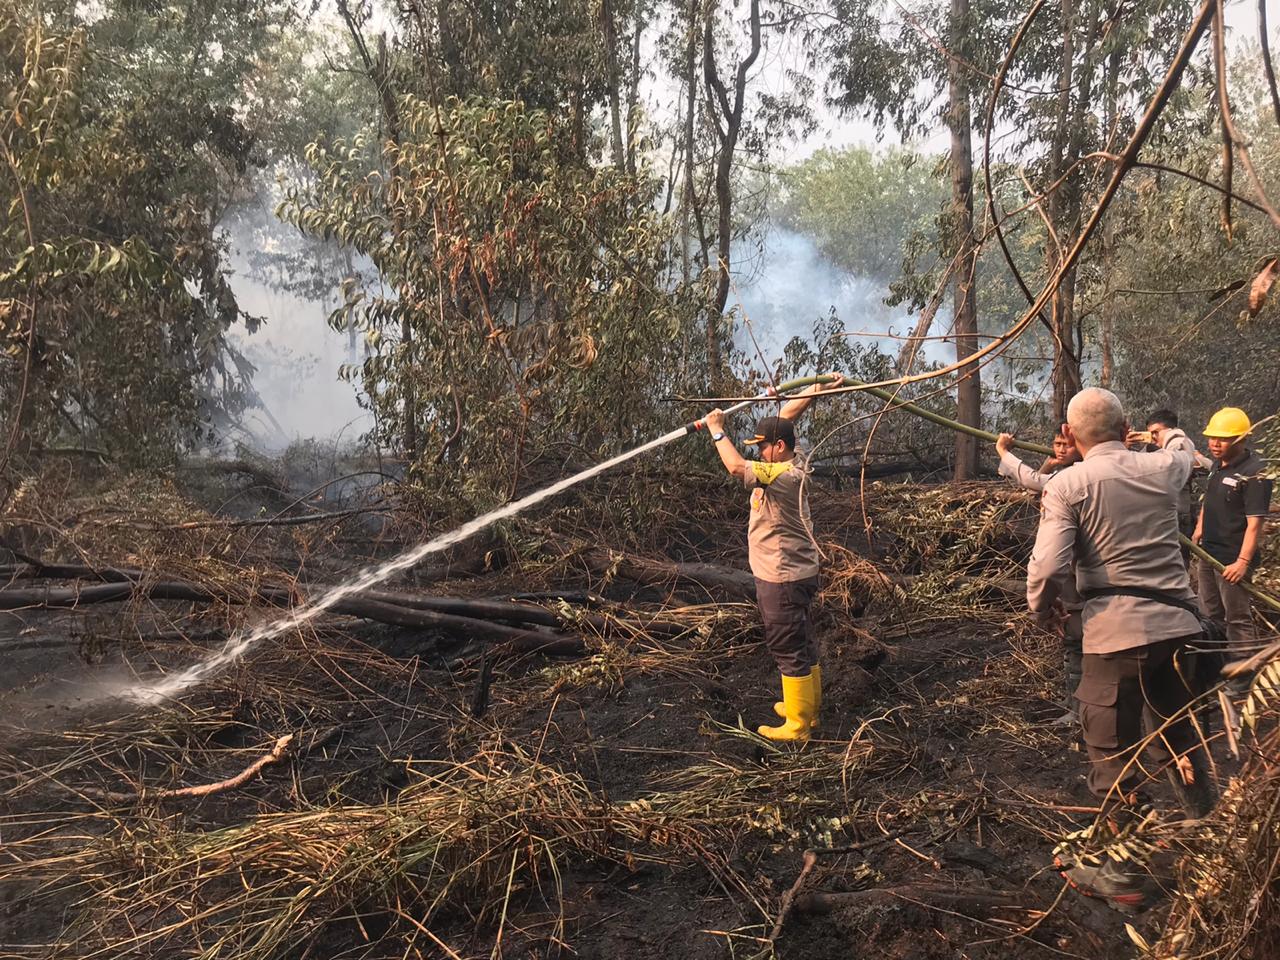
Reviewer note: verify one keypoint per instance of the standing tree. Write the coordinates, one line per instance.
(726, 114)
(873, 71)
(965, 255)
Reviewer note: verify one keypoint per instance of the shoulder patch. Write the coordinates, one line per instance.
(766, 473)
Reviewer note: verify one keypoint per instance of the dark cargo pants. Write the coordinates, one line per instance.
(1117, 693)
(788, 629)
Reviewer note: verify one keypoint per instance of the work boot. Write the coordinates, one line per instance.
(781, 709)
(799, 703)
(1123, 885)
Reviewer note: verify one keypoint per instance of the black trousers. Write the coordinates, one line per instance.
(788, 629)
(1119, 693)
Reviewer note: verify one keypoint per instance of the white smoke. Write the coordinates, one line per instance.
(296, 353)
(785, 285)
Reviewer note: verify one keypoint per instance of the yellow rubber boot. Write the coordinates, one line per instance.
(781, 710)
(798, 701)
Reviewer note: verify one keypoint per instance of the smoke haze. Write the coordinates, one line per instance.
(789, 285)
(296, 353)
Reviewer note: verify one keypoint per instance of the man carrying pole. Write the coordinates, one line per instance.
(1114, 518)
(783, 555)
(1237, 499)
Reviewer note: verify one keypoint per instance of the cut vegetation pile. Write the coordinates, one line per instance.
(368, 789)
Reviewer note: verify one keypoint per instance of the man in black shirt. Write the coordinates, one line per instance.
(1236, 501)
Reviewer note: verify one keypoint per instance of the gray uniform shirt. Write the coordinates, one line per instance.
(1176, 439)
(1115, 516)
(1011, 466)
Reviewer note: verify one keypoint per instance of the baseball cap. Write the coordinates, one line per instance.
(773, 429)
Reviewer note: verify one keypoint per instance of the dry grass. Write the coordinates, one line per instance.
(448, 824)
(472, 836)
(1229, 881)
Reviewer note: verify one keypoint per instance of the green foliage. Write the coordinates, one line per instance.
(126, 136)
(1179, 289)
(517, 288)
(862, 209)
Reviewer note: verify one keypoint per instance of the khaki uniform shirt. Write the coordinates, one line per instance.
(780, 545)
(1114, 516)
(1011, 466)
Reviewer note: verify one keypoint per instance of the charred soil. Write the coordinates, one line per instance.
(443, 797)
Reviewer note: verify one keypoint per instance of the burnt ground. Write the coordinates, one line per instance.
(656, 824)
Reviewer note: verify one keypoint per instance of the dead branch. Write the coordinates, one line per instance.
(204, 790)
(241, 778)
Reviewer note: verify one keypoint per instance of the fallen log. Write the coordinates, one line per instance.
(738, 584)
(355, 606)
(481, 609)
(276, 521)
(514, 612)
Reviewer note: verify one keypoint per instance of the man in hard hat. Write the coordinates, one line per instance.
(783, 555)
(1072, 629)
(1113, 519)
(1237, 499)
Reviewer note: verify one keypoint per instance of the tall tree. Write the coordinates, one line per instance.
(377, 68)
(128, 133)
(872, 69)
(726, 113)
(965, 258)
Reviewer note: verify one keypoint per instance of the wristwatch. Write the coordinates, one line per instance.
(717, 437)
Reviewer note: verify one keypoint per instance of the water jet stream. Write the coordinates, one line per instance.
(239, 643)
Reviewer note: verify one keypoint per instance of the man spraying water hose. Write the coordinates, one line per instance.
(783, 555)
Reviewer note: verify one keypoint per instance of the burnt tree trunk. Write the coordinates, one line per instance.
(1066, 365)
(377, 69)
(727, 115)
(969, 389)
(610, 31)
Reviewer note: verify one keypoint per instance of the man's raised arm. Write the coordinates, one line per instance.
(800, 403)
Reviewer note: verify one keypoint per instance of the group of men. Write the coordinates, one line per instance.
(1109, 573)
(1109, 551)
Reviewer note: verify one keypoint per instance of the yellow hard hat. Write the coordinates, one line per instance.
(1228, 422)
